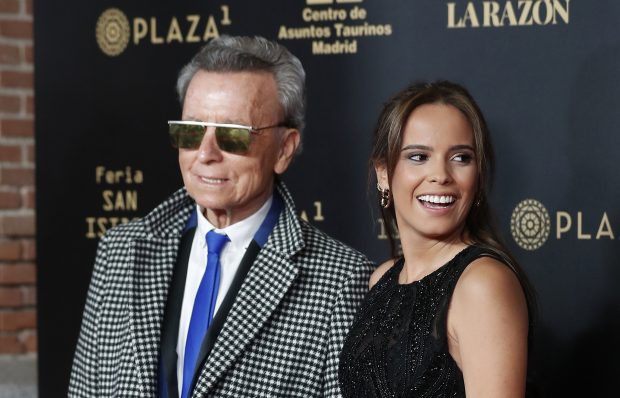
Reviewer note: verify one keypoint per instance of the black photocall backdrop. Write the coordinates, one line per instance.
(545, 72)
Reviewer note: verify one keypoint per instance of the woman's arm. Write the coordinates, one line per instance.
(488, 330)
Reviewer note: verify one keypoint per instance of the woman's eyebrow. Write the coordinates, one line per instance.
(421, 147)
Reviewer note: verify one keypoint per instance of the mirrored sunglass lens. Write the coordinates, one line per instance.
(186, 136)
(231, 139)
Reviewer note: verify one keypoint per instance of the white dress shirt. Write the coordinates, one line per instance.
(240, 235)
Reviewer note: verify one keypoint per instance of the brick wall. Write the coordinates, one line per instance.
(17, 213)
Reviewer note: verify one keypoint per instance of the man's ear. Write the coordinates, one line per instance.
(288, 146)
(382, 175)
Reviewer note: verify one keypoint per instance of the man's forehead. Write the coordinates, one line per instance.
(245, 82)
(226, 96)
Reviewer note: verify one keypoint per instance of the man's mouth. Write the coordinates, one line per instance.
(208, 180)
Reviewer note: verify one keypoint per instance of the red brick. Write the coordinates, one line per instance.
(28, 198)
(29, 250)
(11, 297)
(17, 274)
(17, 128)
(30, 154)
(16, 29)
(10, 344)
(10, 153)
(12, 321)
(10, 200)
(17, 225)
(17, 176)
(11, 79)
(10, 250)
(9, 6)
(29, 340)
(9, 103)
(30, 105)
(9, 55)
(29, 295)
(29, 7)
(28, 55)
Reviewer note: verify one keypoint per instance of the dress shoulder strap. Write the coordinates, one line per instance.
(390, 276)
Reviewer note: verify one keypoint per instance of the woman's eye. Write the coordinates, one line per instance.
(418, 157)
(462, 157)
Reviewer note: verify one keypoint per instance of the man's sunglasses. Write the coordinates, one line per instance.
(233, 138)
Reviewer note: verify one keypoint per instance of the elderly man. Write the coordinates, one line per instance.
(222, 290)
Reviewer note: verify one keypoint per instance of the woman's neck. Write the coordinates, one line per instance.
(423, 255)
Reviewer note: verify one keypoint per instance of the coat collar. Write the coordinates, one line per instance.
(170, 217)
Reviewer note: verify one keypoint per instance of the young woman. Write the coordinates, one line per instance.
(450, 316)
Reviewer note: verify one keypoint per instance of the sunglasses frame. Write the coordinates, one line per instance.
(250, 129)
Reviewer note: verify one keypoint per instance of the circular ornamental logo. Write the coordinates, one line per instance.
(112, 32)
(530, 224)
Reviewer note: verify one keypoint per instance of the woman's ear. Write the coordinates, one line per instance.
(382, 175)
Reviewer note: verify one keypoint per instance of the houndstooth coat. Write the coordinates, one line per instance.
(282, 336)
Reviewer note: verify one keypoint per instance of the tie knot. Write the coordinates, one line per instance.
(215, 242)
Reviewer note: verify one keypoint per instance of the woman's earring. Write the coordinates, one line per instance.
(478, 200)
(385, 196)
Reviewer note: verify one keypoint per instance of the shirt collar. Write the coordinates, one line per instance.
(239, 233)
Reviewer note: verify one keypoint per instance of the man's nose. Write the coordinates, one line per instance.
(209, 151)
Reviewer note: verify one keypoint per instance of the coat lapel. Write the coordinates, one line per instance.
(153, 256)
(266, 284)
(170, 328)
(270, 277)
(222, 313)
(152, 275)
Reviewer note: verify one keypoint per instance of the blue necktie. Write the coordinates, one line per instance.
(204, 306)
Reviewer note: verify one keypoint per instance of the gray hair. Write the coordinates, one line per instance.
(242, 54)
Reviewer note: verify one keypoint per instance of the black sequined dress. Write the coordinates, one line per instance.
(397, 345)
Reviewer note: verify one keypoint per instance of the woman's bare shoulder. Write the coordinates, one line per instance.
(487, 276)
(379, 271)
(490, 288)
